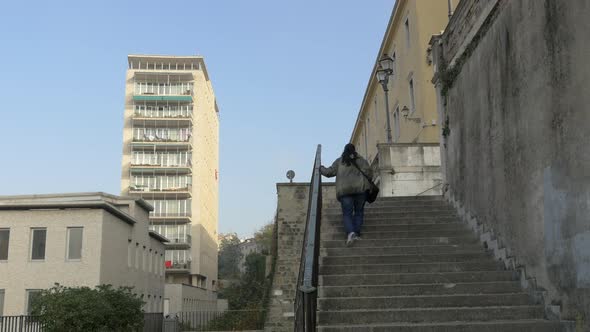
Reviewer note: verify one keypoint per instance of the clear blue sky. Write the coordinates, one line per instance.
(287, 75)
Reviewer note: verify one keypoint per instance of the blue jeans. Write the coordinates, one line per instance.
(352, 212)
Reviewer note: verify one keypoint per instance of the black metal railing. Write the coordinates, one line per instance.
(20, 324)
(307, 281)
(152, 323)
(215, 320)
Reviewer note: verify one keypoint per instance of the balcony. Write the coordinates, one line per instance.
(162, 91)
(151, 97)
(156, 139)
(177, 192)
(149, 168)
(162, 119)
(181, 242)
(162, 137)
(161, 145)
(178, 266)
(173, 217)
(170, 220)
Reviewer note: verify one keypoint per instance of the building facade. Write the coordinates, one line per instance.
(77, 240)
(409, 162)
(170, 159)
(406, 40)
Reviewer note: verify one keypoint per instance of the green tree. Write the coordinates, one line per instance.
(255, 269)
(248, 292)
(229, 256)
(264, 237)
(103, 308)
(248, 298)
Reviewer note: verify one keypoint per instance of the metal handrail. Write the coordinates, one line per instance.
(429, 189)
(307, 281)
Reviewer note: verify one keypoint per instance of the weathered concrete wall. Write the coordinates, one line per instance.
(517, 156)
(186, 298)
(292, 204)
(409, 169)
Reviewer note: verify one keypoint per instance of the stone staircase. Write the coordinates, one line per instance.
(417, 268)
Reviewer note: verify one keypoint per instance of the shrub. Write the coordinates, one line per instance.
(103, 308)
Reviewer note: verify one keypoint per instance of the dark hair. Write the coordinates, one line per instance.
(349, 154)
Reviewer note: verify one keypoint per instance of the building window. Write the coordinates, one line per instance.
(366, 141)
(367, 133)
(4, 240)
(407, 26)
(412, 99)
(129, 253)
(137, 256)
(32, 295)
(74, 240)
(38, 242)
(1, 302)
(150, 261)
(396, 125)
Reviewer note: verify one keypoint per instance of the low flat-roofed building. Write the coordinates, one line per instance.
(80, 239)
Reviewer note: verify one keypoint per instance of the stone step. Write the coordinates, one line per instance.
(438, 267)
(396, 202)
(398, 259)
(403, 201)
(416, 278)
(331, 228)
(409, 198)
(337, 209)
(428, 315)
(492, 287)
(386, 209)
(395, 221)
(423, 301)
(536, 325)
(399, 234)
(400, 250)
(398, 214)
(416, 241)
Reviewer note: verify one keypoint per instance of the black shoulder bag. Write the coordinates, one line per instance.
(371, 193)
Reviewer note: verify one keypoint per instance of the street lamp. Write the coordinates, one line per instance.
(406, 113)
(385, 70)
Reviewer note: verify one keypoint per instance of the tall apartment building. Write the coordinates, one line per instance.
(170, 159)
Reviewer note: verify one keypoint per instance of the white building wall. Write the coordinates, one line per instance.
(187, 298)
(105, 259)
(409, 169)
(115, 269)
(19, 273)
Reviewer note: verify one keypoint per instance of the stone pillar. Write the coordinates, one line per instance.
(408, 169)
(292, 202)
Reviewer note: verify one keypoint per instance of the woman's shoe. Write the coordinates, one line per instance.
(350, 239)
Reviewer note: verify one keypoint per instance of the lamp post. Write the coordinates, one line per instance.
(450, 9)
(385, 70)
